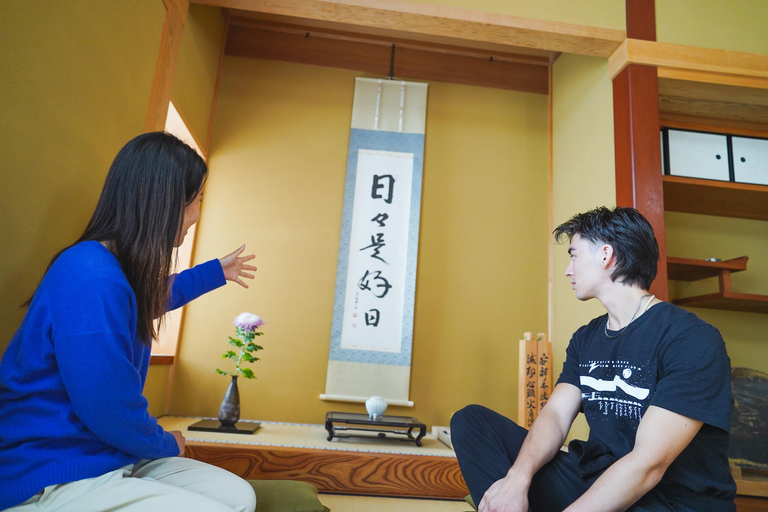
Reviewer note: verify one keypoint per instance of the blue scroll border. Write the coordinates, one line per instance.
(377, 140)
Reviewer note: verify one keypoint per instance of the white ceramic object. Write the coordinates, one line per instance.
(375, 407)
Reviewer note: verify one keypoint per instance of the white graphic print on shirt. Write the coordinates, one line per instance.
(616, 386)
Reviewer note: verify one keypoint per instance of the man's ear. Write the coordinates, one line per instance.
(606, 254)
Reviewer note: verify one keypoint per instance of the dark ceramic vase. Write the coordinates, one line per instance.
(229, 412)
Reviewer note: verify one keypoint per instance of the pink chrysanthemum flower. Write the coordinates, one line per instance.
(248, 321)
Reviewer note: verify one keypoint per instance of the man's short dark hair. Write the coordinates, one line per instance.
(630, 235)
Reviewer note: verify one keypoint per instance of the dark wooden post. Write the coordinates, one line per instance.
(636, 136)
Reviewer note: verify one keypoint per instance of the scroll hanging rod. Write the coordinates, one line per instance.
(392, 64)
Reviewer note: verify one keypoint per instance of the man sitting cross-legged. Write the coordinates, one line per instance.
(652, 380)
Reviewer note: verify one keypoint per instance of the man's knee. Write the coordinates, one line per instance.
(466, 420)
(468, 416)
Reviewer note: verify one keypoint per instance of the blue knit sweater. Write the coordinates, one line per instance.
(71, 380)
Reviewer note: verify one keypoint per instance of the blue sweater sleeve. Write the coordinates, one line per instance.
(194, 282)
(97, 353)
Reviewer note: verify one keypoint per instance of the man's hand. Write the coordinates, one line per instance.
(510, 494)
(661, 436)
(179, 441)
(234, 267)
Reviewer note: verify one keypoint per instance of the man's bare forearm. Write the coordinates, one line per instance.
(548, 432)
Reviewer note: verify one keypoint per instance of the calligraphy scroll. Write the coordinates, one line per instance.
(535, 378)
(372, 328)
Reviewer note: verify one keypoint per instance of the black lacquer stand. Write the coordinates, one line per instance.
(381, 427)
(216, 426)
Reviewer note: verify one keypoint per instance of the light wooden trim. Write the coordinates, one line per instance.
(166, 65)
(691, 75)
(218, 82)
(440, 24)
(180, 8)
(550, 206)
(703, 61)
(708, 124)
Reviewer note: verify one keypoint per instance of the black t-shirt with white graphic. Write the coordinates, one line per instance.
(667, 358)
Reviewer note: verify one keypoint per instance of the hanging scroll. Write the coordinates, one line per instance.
(535, 378)
(372, 329)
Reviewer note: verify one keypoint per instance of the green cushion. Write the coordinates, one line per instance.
(286, 496)
(468, 499)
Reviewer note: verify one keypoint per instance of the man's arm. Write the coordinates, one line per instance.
(510, 494)
(661, 436)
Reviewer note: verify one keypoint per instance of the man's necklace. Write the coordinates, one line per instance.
(639, 303)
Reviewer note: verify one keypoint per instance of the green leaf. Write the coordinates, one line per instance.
(236, 342)
(248, 373)
(230, 354)
(252, 347)
(220, 372)
(248, 358)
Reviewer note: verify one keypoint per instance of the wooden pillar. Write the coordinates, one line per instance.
(175, 17)
(636, 136)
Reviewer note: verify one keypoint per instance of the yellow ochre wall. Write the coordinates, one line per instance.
(278, 165)
(75, 81)
(583, 178)
(734, 25)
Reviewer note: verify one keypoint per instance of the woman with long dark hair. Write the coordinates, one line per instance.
(75, 432)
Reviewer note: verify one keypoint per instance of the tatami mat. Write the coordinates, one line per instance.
(344, 503)
(296, 435)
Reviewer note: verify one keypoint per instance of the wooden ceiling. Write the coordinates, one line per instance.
(430, 42)
(736, 109)
(249, 36)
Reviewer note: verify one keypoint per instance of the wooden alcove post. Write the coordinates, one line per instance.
(636, 136)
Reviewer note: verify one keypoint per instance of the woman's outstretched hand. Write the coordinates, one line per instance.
(234, 266)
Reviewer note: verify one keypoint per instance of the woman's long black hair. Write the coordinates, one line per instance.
(140, 215)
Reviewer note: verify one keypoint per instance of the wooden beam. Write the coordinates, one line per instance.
(714, 125)
(439, 24)
(708, 78)
(162, 87)
(375, 57)
(702, 61)
(638, 154)
(499, 53)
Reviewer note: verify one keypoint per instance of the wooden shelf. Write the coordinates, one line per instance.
(688, 269)
(731, 301)
(710, 197)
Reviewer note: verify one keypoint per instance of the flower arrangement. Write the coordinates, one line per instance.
(246, 325)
